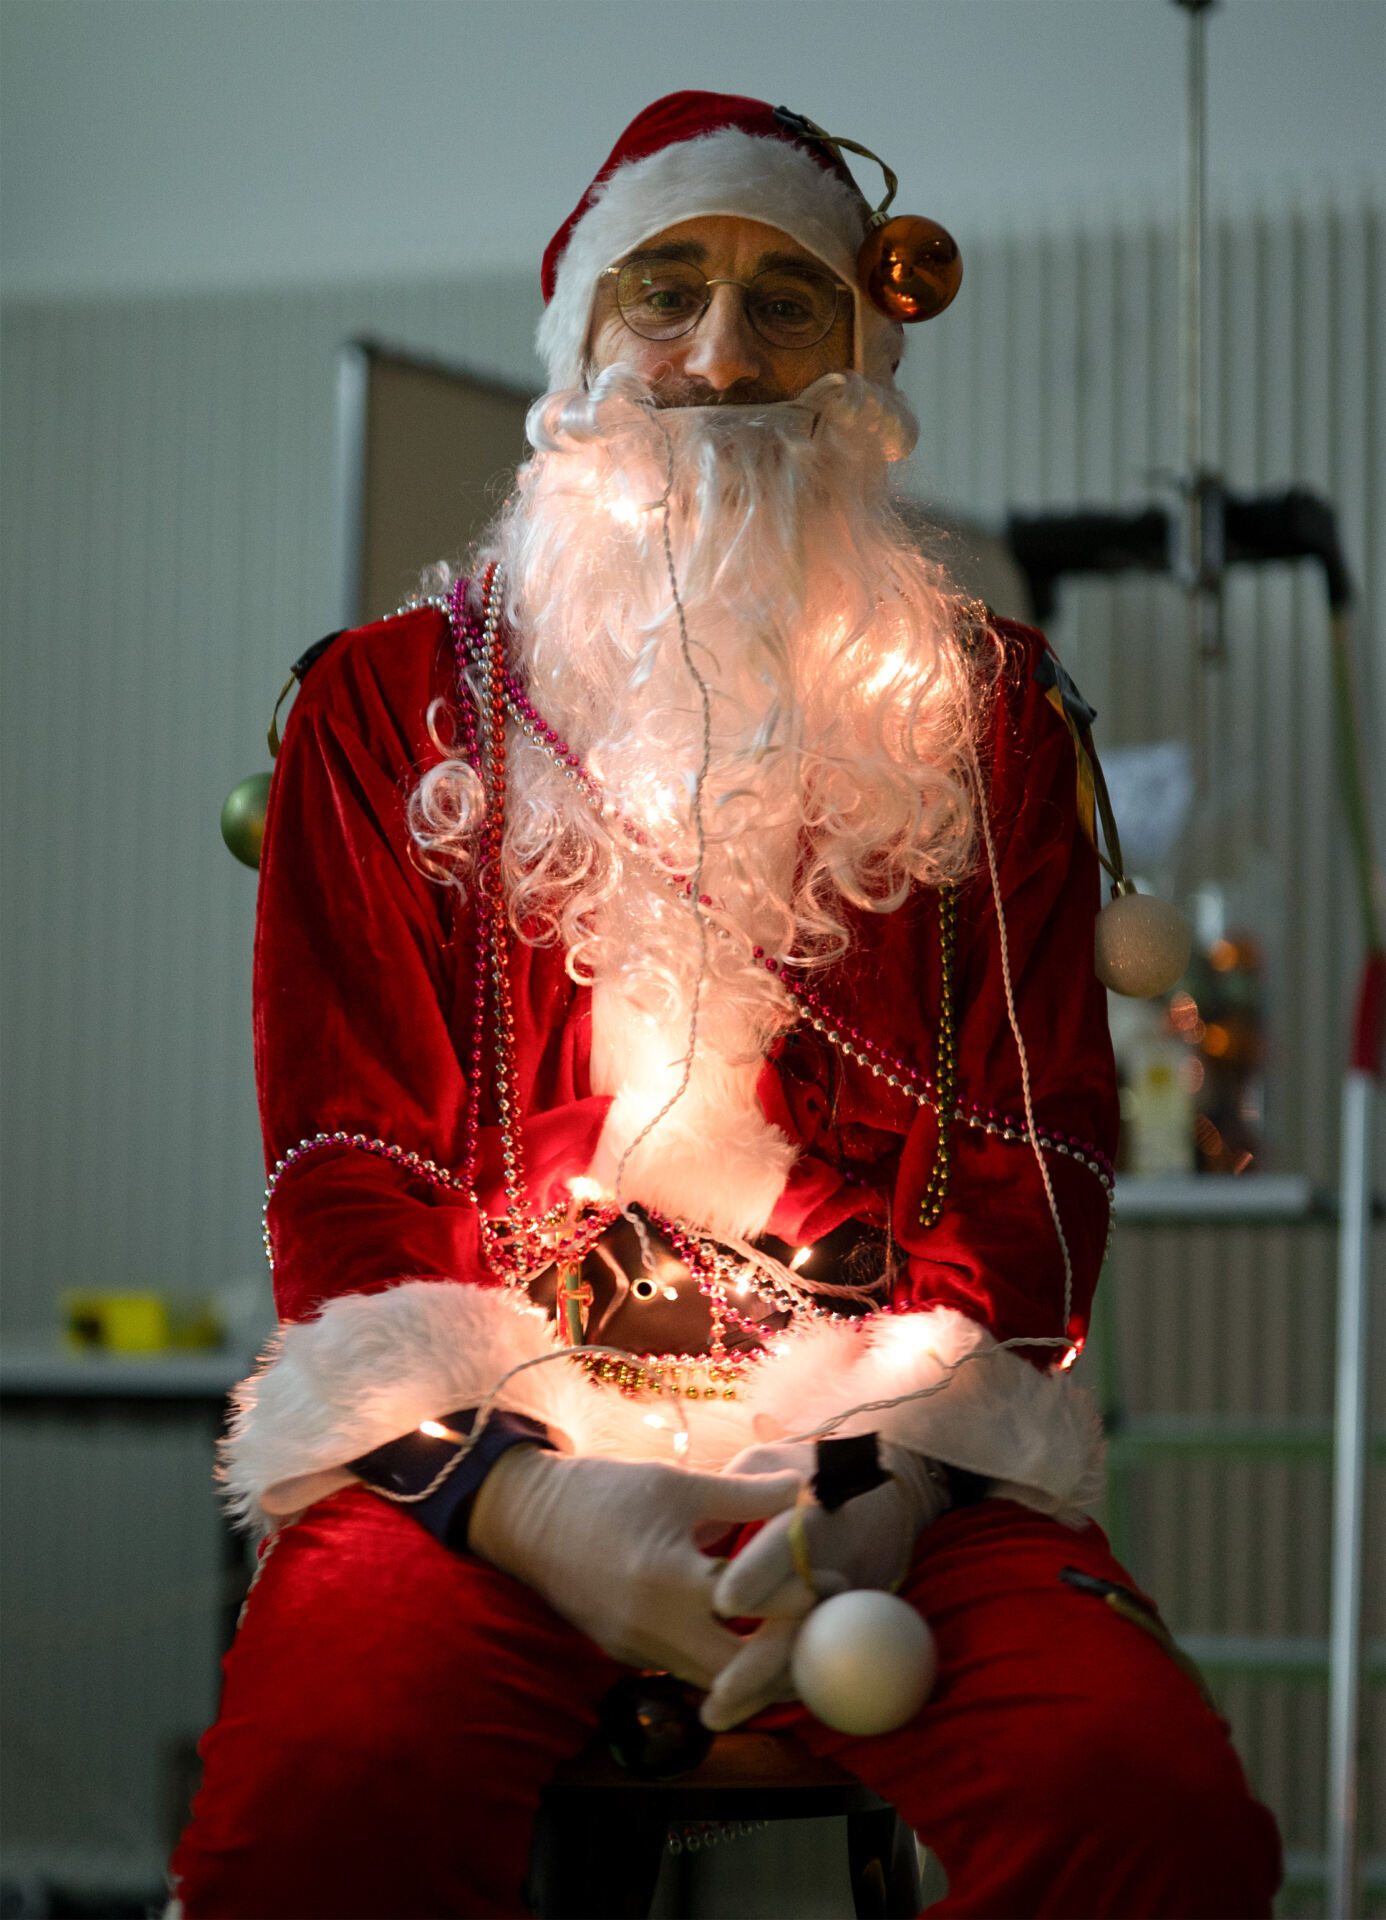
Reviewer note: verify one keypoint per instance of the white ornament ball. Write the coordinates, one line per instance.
(1142, 945)
(864, 1662)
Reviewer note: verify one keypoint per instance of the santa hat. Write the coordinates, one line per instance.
(692, 154)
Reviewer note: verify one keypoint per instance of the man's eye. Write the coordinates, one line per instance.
(667, 301)
(785, 309)
(791, 305)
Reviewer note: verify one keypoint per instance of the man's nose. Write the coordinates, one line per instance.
(723, 349)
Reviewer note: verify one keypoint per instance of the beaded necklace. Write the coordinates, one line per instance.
(521, 1244)
(474, 652)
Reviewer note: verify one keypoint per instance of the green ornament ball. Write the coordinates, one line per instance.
(243, 818)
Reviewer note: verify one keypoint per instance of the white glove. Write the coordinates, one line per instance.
(609, 1544)
(866, 1542)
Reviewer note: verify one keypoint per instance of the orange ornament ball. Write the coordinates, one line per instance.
(910, 267)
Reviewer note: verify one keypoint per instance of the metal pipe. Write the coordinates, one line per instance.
(1198, 563)
(1349, 1483)
(1191, 244)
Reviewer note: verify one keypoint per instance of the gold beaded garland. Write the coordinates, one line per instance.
(945, 1062)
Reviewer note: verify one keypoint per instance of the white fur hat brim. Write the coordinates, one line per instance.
(728, 172)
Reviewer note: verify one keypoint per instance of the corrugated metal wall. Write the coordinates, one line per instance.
(1063, 393)
(170, 547)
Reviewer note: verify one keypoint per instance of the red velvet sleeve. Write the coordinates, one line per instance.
(356, 982)
(994, 1254)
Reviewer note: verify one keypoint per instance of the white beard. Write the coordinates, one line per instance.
(835, 720)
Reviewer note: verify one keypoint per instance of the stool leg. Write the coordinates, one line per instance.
(583, 1868)
(883, 1865)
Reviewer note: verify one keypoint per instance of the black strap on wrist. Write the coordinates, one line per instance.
(852, 1466)
(846, 1468)
(417, 1471)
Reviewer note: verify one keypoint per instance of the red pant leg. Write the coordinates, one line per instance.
(1065, 1765)
(389, 1716)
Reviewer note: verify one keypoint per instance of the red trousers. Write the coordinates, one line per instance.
(391, 1712)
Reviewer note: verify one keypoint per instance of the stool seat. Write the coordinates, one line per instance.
(600, 1835)
(746, 1776)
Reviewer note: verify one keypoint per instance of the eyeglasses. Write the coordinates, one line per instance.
(786, 306)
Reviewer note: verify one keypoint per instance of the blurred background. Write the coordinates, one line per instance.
(204, 202)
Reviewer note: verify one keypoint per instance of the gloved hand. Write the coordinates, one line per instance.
(867, 1542)
(609, 1544)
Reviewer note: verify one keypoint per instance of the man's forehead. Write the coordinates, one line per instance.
(726, 235)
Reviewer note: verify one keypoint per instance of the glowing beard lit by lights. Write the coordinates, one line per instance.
(838, 715)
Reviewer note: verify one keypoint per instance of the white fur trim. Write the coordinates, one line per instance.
(1036, 1434)
(721, 1167)
(367, 1370)
(372, 1366)
(727, 172)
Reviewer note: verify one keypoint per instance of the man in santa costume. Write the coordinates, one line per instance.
(680, 1051)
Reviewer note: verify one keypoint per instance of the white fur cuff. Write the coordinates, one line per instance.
(373, 1366)
(366, 1371)
(973, 1405)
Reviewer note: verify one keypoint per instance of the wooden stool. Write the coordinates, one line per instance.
(600, 1835)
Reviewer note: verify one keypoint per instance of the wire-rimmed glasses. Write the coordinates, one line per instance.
(786, 306)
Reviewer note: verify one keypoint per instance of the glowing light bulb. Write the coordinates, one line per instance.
(436, 1430)
(910, 1332)
(654, 1420)
(625, 511)
(680, 1443)
(671, 1293)
(582, 1188)
(803, 1255)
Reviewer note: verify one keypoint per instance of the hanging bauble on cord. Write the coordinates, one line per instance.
(244, 809)
(1141, 945)
(243, 818)
(909, 266)
(650, 1724)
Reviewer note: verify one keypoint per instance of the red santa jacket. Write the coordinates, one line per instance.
(364, 971)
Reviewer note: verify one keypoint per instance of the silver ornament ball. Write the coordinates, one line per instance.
(864, 1662)
(1142, 945)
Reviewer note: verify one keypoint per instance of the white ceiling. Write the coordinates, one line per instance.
(162, 144)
